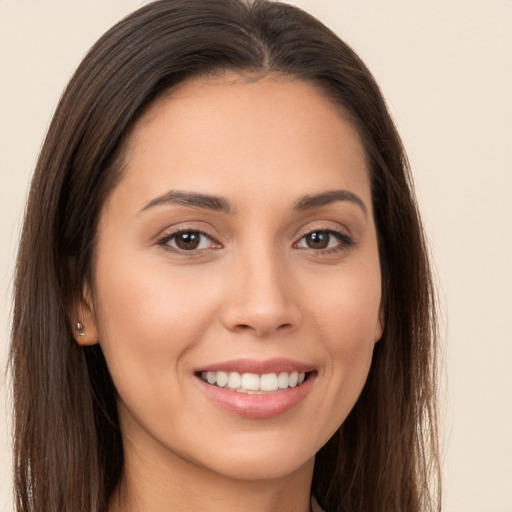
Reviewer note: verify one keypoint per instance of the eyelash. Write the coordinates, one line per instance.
(164, 241)
(344, 241)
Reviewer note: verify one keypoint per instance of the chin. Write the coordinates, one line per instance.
(262, 456)
(255, 467)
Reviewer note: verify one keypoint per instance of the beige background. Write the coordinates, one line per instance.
(445, 68)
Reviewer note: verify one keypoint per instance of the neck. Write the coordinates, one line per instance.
(153, 484)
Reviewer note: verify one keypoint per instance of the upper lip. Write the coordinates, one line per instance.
(260, 367)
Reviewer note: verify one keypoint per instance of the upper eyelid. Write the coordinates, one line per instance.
(337, 233)
(184, 227)
(344, 238)
(168, 234)
(171, 234)
(322, 227)
(163, 242)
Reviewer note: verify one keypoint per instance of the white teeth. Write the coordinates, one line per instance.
(234, 380)
(250, 381)
(282, 380)
(254, 383)
(222, 379)
(268, 382)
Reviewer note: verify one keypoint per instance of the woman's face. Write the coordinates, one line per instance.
(237, 286)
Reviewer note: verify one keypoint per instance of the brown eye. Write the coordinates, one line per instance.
(188, 241)
(318, 239)
(324, 240)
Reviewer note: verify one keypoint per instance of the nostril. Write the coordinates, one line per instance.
(243, 327)
(263, 329)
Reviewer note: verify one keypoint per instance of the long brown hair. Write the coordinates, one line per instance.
(68, 452)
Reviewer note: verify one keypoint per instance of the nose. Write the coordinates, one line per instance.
(262, 297)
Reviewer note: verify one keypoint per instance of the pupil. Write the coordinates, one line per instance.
(318, 240)
(188, 240)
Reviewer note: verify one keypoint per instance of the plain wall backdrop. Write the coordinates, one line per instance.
(445, 68)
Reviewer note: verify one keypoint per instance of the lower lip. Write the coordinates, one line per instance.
(267, 405)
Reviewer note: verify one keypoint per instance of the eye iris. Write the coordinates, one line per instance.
(188, 240)
(317, 240)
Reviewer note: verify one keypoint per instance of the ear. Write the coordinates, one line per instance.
(379, 328)
(83, 320)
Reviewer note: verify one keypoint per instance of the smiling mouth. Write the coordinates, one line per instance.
(253, 383)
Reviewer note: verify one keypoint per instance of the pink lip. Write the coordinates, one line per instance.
(258, 406)
(275, 365)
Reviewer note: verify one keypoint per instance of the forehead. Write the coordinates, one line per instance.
(236, 131)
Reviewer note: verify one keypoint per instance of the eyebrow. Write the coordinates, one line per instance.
(324, 198)
(205, 201)
(220, 204)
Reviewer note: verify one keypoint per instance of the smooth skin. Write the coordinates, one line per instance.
(260, 271)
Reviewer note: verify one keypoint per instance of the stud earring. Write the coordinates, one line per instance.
(79, 328)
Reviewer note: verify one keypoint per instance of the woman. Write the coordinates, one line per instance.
(227, 303)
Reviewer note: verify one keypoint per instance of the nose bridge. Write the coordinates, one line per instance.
(261, 296)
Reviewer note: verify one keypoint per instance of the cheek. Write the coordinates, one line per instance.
(347, 319)
(348, 307)
(149, 317)
(350, 342)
